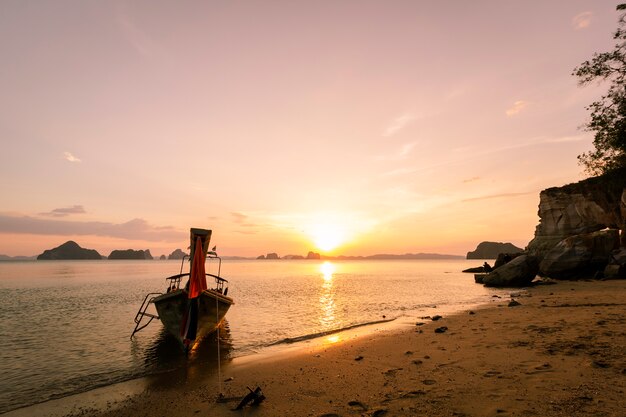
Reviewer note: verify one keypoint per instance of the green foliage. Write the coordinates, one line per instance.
(608, 115)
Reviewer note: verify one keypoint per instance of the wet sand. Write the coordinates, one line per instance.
(560, 352)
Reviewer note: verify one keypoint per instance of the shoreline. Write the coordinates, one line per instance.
(95, 400)
(561, 352)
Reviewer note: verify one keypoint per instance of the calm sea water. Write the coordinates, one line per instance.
(65, 325)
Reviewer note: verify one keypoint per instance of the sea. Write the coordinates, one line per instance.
(65, 326)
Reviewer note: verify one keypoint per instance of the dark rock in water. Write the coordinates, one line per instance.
(436, 317)
(313, 255)
(490, 250)
(69, 251)
(518, 273)
(580, 256)
(441, 329)
(177, 254)
(514, 303)
(131, 254)
(476, 269)
(272, 256)
(162, 257)
(261, 257)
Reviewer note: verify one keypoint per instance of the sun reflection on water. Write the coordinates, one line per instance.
(327, 297)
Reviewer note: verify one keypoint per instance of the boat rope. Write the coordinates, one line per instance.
(219, 365)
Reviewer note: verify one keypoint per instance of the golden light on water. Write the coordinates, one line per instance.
(327, 269)
(327, 296)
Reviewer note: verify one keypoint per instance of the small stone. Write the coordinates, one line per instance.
(358, 358)
(441, 329)
(436, 317)
(514, 303)
(471, 312)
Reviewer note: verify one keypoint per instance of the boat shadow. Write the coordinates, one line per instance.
(168, 366)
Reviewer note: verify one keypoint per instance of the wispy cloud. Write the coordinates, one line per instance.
(141, 42)
(473, 179)
(502, 195)
(398, 124)
(238, 217)
(403, 153)
(136, 229)
(70, 157)
(582, 20)
(64, 211)
(517, 107)
(469, 155)
(398, 171)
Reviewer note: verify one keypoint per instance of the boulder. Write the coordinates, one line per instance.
(616, 269)
(614, 272)
(505, 258)
(518, 273)
(580, 256)
(70, 250)
(490, 250)
(272, 255)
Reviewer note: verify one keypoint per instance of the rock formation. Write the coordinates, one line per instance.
(131, 254)
(162, 257)
(517, 273)
(313, 255)
(70, 250)
(580, 256)
(272, 256)
(566, 239)
(491, 250)
(177, 254)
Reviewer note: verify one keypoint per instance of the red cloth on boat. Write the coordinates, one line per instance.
(197, 281)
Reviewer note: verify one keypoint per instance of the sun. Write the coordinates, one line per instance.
(328, 236)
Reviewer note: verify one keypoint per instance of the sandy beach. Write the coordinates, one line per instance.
(560, 352)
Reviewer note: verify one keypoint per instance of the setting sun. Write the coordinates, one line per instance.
(328, 236)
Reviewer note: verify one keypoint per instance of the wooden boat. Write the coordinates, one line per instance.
(194, 310)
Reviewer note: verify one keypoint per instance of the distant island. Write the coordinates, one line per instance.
(70, 250)
(382, 256)
(17, 258)
(177, 254)
(491, 250)
(131, 254)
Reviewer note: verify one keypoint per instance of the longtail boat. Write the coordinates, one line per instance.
(192, 311)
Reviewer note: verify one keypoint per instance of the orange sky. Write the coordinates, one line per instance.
(396, 126)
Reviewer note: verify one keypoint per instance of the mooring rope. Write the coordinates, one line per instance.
(219, 365)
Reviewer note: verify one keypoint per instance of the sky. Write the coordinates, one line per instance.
(348, 127)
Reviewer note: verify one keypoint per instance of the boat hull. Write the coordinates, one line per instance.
(173, 307)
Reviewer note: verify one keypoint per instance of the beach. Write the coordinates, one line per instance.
(560, 352)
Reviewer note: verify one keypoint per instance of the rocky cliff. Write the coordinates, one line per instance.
(571, 236)
(70, 250)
